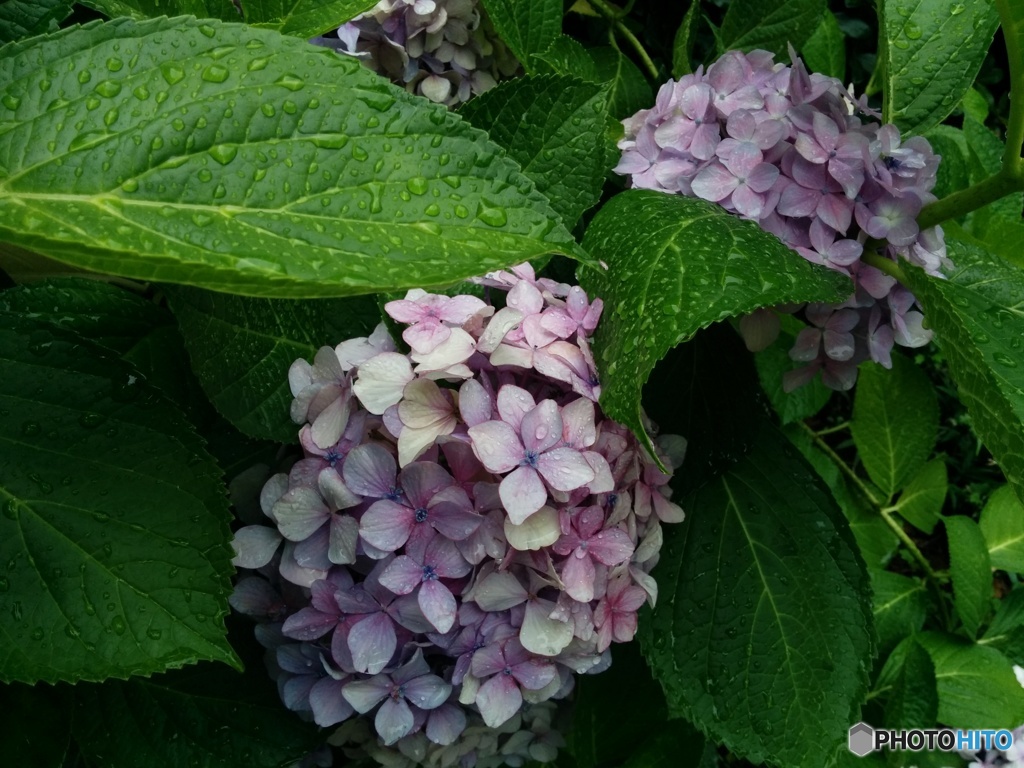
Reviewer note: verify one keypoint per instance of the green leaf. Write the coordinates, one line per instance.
(36, 727)
(677, 265)
(975, 106)
(527, 26)
(970, 572)
(114, 525)
(914, 700)
(750, 586)
(922, 500)
(566, 56)
(1006, 631)
(986, 158)
(630, 92)
(977, 686)
(333, 183)
(801, 403)
(930, 52)
(26, 18)
(149, 9)
(1002, 523)
(900, 606)
(770, 24)
(686, 36)
(825, 50)
(208, 716)
(895, 422)
(613, 707)
(978, 317)
(676, 745)
(303, 18)
(249, 386)
(553, 127)
(955, 170)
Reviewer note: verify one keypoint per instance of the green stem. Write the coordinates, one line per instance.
(830, 430)
(874, 259)
(1015, 125)
(975, 196)
(614, 15)
(843, 467)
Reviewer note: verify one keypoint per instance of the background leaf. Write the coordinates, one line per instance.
(750, 586)
(977, 687)
(36, 726)
(770, 24)
(921, 502)
(970, 572)
(1002, 523)
(553, 127)
(303, 18)
(629, 90)
(825, 50)
(914, 699)
(801, 403)
(930, 52)
(337, 183)
(149, 9)
(25, 18)
(978, 317)
(114, 524)
(241, 350)
(1006, 631)
(686, 36)
(900, 606)
(567, 56)
(209, 716)
(677, 265)
(895, 422)
(999, 222)
(526, 26)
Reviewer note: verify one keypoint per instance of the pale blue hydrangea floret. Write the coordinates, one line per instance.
(789, 150)
(445, 50)
(465, 531)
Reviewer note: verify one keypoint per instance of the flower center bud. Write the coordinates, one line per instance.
(421, 515)
(429, 574)
(530, 459)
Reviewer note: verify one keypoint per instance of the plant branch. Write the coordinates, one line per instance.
(844, 468)
(874, 259)
(615, 15)
(975, 196)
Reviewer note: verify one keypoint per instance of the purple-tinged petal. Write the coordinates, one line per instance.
(438, 604)
(564, 469)
(295, 692)
(487, 661)
(475, 404)
(402, 575)
(331, 422)
(427, 691)
(254, 546)
(523, 493)
(372, 642)
(714, 183)
(543, 635)
(253, 596)
(370, 470)
(344, 537)
(498, 700)
(309, 624)
(312, 552)
(513, 404)
(578, 576)
(393, 721)
(534, 675)
(364, 695)
(497, 445)
(446, 724)
(386, 525)
(541, 428)
(442, 554)
(327, 702)
(611, 546)
(300, 512)
(421, 480)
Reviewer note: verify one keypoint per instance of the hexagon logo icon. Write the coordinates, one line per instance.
(862, 739)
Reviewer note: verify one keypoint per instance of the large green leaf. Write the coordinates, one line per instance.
(969, 571)
(978, 317)
(930, 52)
(526, 26)
(752, 588)
(149, 9)
(922, 499)
(553, 126)
(233, 158)
(241, 349)
(209, 716)
(115, 524)
(770, 24)
(1002, 523)
(630, 91)
(900, 606)
(825, 50)
(977, 686)
(895, 422)
(999, 222)
(303, 18)
(24, 18)
(677, 265)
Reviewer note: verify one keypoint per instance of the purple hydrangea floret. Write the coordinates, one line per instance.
(464, 532)
(796, 153)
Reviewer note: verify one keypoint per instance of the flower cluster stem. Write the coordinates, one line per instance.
(614, 15)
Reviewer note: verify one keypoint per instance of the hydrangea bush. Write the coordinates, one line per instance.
(351, 351)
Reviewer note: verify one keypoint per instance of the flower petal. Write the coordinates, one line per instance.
(386, 525)
(539, 530)
(402, 575)
(254, 546)
(372, 642)
(541, 427)
(427, 691)
(327, 702)
(498, 700)
(438, 604)
(382, 380)
(497, 445)
(523, 493)
(565, 469)
(370, 470)
(543, 635)
(393, 721)
(499, 591)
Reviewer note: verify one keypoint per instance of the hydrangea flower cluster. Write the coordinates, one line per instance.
(445, 50)
(464, 532)
(789, 150)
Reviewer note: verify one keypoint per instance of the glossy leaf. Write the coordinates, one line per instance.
(114, 524)
(567, 56)
(1002, 523)
(25, 18)
(764, 553)
(1006, 631)
(900, 606)
(526, 26)
(930, 53)
(630, 91)
(977, 686)
(686, 36)
(956, 168)
(303, 18)
(770, 24)
(677, 265)
(825, 50)
(208, 716)
(922, 500)
(241, 349)
(333, 183)
(979, 322)
(553, 127)
(895, 422)
(986, 158)
(914, 699)
(150, 9)
(969, 571)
